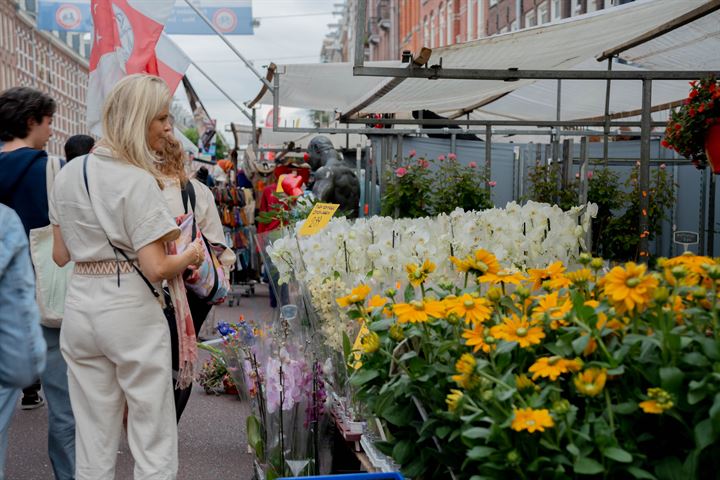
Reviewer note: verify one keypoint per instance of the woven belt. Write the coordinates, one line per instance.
(105, 268)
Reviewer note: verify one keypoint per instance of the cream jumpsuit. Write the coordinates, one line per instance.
(114, 338)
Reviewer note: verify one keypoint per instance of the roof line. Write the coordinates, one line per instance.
(634, 113)
(660, 30)
(418, 61)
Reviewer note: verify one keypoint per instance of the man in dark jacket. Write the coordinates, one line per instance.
(25, 128)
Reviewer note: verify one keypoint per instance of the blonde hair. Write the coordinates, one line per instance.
(173, 160)
(129, 109)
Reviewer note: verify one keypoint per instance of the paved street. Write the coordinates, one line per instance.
(212, 444)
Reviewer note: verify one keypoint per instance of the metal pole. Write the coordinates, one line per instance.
(360, 32)
(276, 101)
(453, 140)
(555, 136)
(240, 107)
(254, 138)
(247, 63)
(703, 206)
(646, 120)
(488, 156)
(606, 128)
(711, 218)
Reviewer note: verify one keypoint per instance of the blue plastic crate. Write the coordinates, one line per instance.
(352, 476)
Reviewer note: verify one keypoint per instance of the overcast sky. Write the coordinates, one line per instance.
(295, 38)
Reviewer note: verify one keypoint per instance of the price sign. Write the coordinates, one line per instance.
(319, 217)
(688, 238)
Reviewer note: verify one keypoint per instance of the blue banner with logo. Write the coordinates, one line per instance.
(229, 17)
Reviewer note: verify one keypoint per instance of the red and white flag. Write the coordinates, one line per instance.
(127, 39)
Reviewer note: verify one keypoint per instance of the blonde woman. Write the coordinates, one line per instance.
(110, 218)
(175, 181)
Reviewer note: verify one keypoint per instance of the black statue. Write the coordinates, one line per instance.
(335, 182)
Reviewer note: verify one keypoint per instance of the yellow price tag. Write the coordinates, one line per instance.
(279, 188)
(357, 346)
(319, 217)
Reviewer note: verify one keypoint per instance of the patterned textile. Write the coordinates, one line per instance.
(102, 269)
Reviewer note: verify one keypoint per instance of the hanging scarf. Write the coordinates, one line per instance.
(187, 342)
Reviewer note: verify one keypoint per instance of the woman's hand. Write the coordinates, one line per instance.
(198, 251)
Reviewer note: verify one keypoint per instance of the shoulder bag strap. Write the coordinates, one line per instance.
(153, 290)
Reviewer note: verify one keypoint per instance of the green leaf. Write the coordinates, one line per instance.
(381, 325)
(704, 435)
(409, 294)
(715, 413)
(587, 466)
(347, 348)
(625, 408)
(443, 431)
(671, 378)
(408, 356)
(618, 454)
(573, 449)
(362, 376)
(580, 343)
(670, 468)
(254, 436)
(476, 432)
(400, 417)
(403, 451)
(617, 370)
(640, 473)
(696, 359)
(478, 453)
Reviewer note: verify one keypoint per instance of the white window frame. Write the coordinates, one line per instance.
(556, 13)
(530, 19)
(433, 29)
(441, 25)
(470, 17)
(450, 23)
(481, 32)
(542, 11)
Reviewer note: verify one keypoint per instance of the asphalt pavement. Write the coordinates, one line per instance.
(212, 443)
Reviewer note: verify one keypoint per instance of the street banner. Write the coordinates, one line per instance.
(203, 123)
(125, 37)
(230, 17)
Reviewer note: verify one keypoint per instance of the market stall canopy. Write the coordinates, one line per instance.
(570, 44)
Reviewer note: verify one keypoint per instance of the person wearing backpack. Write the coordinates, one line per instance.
(26, 174)
(184, 195)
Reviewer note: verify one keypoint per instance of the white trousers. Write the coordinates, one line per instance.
(117, 346)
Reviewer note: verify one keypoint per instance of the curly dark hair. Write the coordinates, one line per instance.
(19, 105)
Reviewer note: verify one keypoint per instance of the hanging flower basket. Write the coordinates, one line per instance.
(693, 128)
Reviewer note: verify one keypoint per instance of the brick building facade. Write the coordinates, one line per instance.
(397, 25)
(32, 58)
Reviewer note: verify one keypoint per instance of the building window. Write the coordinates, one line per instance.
(493, 3)
(441, 20)
(470, 17)
(530, 19)
(543, 16)
(426, 32)
(481, 28)
(450, 23)
(556, 10)
(433, 29)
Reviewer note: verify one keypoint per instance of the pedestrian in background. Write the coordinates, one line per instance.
(110, 218)
(22, 348)
(78, 145)
(175, 181)
(25, 127)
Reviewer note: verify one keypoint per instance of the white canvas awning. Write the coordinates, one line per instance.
(571, 44)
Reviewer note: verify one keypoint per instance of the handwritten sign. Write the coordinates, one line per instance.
(319, 217)
(357, 345)
(279, 188)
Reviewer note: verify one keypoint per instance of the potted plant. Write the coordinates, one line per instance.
(694, 129)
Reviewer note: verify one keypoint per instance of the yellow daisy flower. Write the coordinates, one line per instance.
(629, 288)
(520, 330)
(555, 307)
(581, 276)
(465, 366)
(531, 420)
(591, 382)
(357, 295)
(377, 301)
(417, 274)
(479, 338)
(522, 382)
(693, 264)
(553, 367)
(370, 343)
(480, 263)
(659, 401)
(418, 311)
(503, 276)
(453, 399)
(473, 310)
(554, 271)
